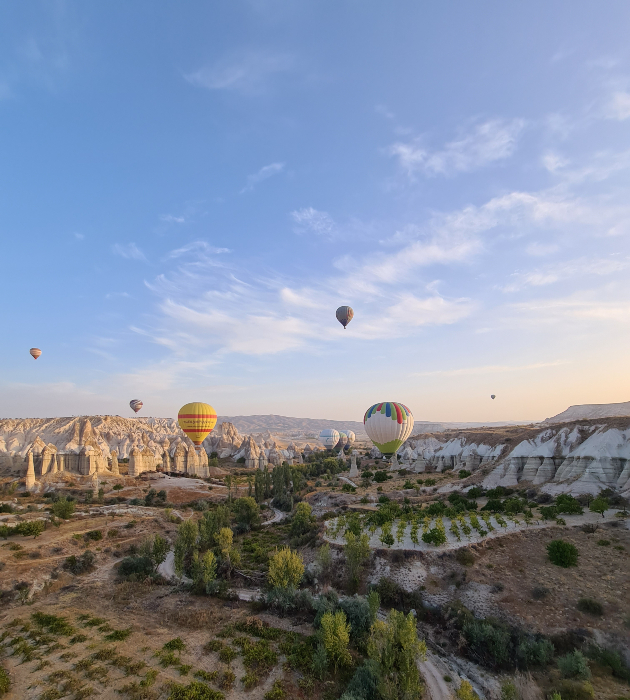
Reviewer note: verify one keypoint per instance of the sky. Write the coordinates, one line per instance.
(189, 190)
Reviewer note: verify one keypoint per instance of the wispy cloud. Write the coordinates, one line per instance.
(488, 369)
(309, 220)
(78, 236)
(264, 173)
(130, 251)
(488, 142)
(619, 106)
(198, 247)
(247, 73)
(170, 219)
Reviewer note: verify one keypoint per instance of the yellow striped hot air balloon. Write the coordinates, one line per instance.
(197, 420)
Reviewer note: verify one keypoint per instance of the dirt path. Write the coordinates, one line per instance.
(436, 685)
(278, 515)
(345, 478)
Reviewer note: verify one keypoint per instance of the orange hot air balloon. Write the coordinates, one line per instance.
(35, 352)
(197, 420)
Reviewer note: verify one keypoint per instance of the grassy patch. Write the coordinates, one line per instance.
(54, 624)
(118, 635)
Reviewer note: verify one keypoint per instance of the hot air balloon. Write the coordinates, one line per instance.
(197, 420)
(329, 437)
(136, 405)
(344, 315)
(35, 352)
(388, 425)
(492, 396)
(351, 436)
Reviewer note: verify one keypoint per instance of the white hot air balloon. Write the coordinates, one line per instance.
(329, 437)
(388, 425)
(351, 436)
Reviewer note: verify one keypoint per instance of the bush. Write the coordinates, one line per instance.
(196, 690)
(117, 487)
(465, 557)
(380, 477)
(535, 652)
(247, 512)
(539, 592)
(392, 595)
(94, 535)
(5, 682)
(493, 505)
(81, 564)
(568, 504)
(574, 690)
(364, 683)
(434, 536)
(611, 659)
(63, 508)
(135, 568)
(574, 665)
(590, 606)
(562, 553)
(357, 611)
(464, 473)
(289, 601)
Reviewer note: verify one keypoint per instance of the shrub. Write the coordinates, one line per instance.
(434, 536)
(194, 691)
(599, 505)
(135, 568)
(466, 692)
(94, 535)
(611, 659)
(364, 682)
(535, 652)
(574, 690)
(380, 477)
(562, 553)
(247, 512)
(493, 505)
(603, 543)
(574, 665)
(277, 691)
(302, 520)
(539, 592)
(590, 606)
(63, 508)
(286, 569)
(5, 682)
(289, 601)
(464, 557)
(464, 473)
(359, 617)
(117, 487)
(81, 564)
(55, 625)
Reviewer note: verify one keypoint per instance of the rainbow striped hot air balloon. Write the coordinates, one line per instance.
(388, 425)
(197, 420)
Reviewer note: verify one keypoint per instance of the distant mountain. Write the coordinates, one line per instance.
(588, 411)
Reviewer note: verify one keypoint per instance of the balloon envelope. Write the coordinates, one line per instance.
(344, 315)
(492, 396)
(351, 436)
(329, 437)
(35, 352)
(136, 405)
(388, 425)
(197, 420)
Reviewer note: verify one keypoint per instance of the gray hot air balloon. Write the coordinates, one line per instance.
(136, 405)
(492, 396)
(344, 315)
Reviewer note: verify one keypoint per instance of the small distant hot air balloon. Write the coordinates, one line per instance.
(388, 425)
(351, 436)
(344, 315)
(136, 405)
(197, 420)
(329, 437)
(492, 396)
(35, 352)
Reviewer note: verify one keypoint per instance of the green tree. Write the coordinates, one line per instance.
(395, 647)
(155, 549)
(324, 560)
(185, 546)
(225, 543)
(599, 505)
(247, 512)
(210, 524)
(336, 637)
(286, 569)
(228, 482)
(204, 571)
(63, 508)
(357, 552)
(466, 692)
(302, 519)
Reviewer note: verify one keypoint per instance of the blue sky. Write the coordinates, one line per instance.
(189, 190)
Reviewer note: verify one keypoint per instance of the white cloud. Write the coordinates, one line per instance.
(263, 174)
(306, 298)
(489, 142)
(197, 246)
(170, 219)
(79, 236)
(248, 73)
(562, 271)
(487, 369)
(554, 162)
(314, 221)
(619, 106)
(129, 251)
